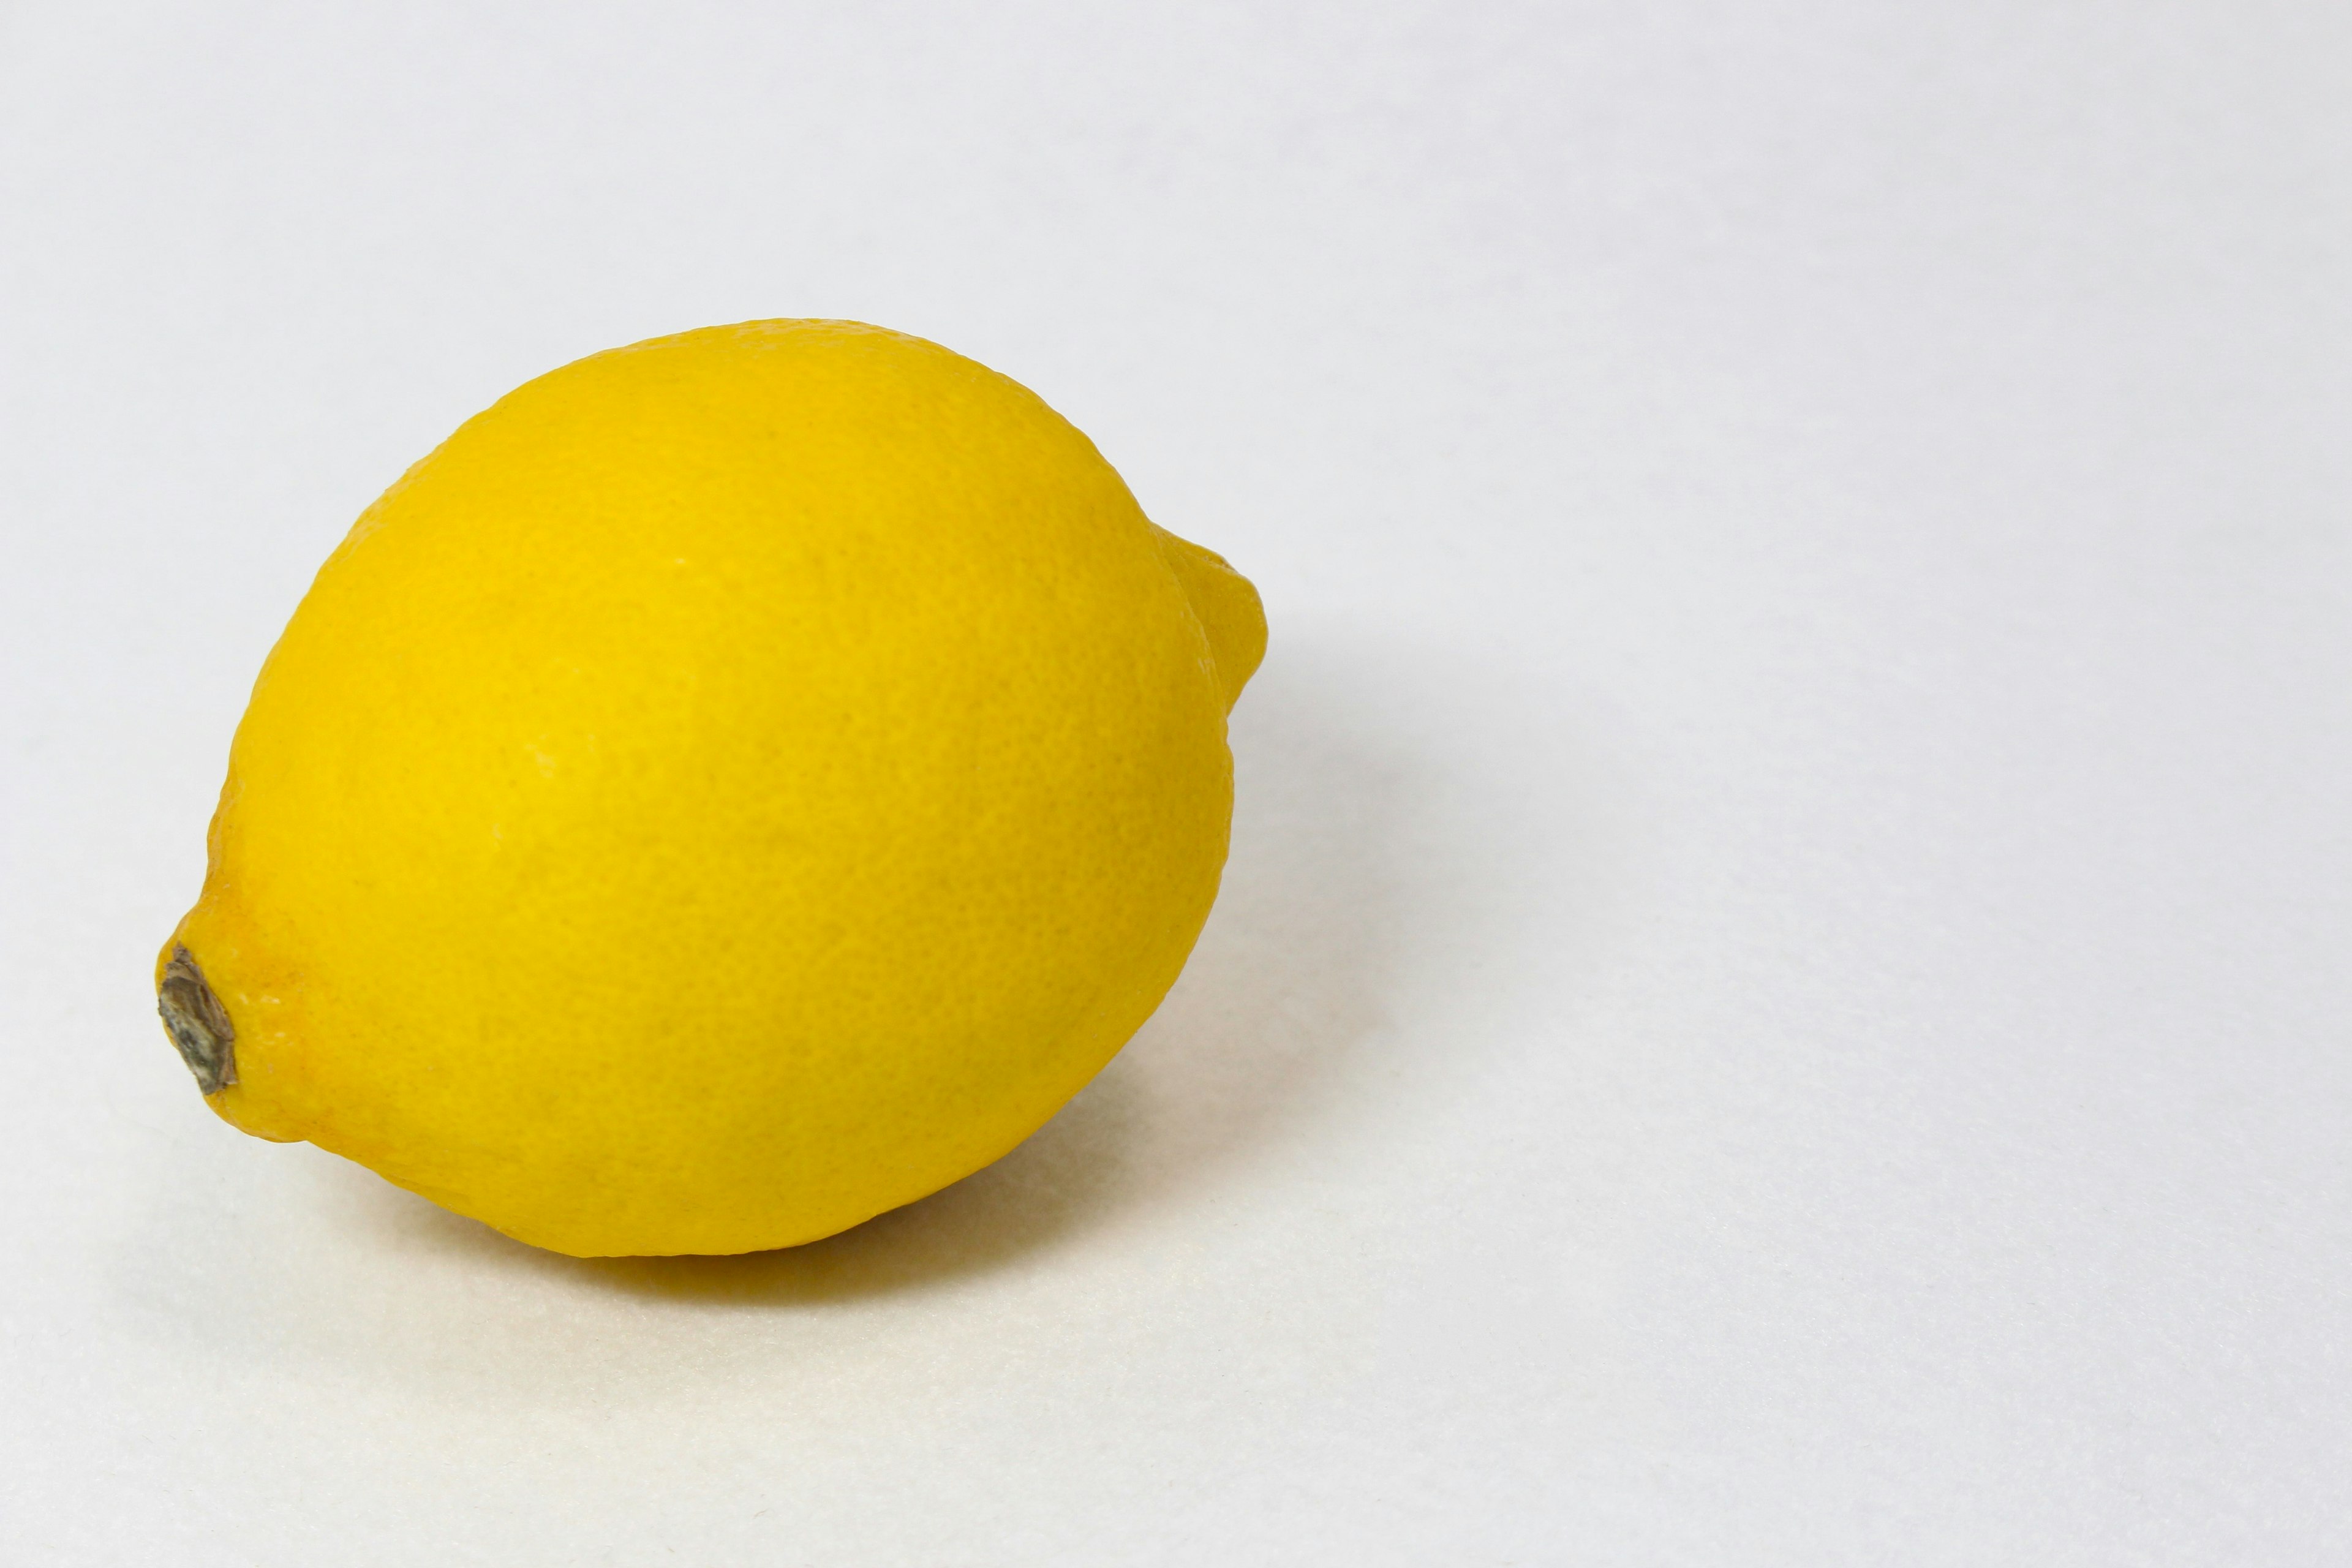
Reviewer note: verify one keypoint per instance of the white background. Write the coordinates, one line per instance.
(1781, 995)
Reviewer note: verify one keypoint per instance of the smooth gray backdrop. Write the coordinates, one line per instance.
(1781, 996)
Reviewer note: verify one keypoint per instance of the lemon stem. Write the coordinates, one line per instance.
(197, 1023)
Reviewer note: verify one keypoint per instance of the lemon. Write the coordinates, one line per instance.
(737, 785)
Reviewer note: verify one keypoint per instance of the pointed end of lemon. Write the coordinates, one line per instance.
(1228, 607)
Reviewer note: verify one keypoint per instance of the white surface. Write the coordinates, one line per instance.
(1781, 996)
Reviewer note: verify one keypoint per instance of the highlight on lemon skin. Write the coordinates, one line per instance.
(737, 785)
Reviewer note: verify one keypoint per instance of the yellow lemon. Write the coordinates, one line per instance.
(735, 785)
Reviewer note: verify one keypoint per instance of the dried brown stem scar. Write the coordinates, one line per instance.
(197, 1023)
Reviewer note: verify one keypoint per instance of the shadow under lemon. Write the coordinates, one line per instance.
(1281, 992)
